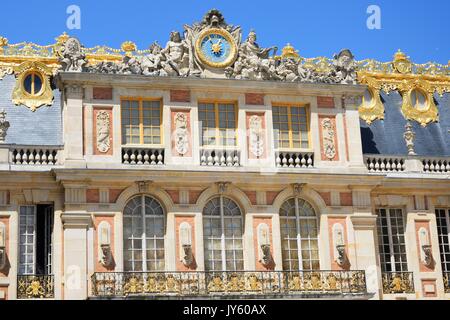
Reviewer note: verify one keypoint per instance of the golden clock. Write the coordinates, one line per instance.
(216, 48)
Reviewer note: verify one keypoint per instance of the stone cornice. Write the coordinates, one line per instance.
(200, 84)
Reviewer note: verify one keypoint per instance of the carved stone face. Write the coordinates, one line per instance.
(175, 36)
(252, 38)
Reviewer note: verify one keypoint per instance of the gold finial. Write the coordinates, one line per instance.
(128, 47)
(399, 55)
(3, 42)
(401, 63)
(62, 38)
(289, 52)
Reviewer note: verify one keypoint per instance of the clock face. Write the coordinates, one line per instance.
(216, 48)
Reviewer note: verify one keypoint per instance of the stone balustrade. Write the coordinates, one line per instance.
(436, 165)
(34, 155)
(385, 163)
(220, 157)
(294, 159)
(142, 156)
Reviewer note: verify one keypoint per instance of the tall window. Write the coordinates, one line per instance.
(391, 240)
(35, 240)
(218, 123)
(443, 224)
(143, 236)
(299, 235)
(141, 121)
(290, 124)
(222, 231)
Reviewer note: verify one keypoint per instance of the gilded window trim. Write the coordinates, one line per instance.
(140, 99)
(308, 123)
(216, 103)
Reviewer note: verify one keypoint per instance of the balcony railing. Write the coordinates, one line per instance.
(142, 156)
(294, 159)
(35, 287)
(398, 282)
(35, 155)
(439, 165)
(446, 277)
(118, 284)
(220, 157)
(385, 164)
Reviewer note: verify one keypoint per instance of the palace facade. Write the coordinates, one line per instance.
(215, 168)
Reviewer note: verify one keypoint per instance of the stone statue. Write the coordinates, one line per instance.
(4, 126)
(152, 63)
(344, 67)
(72, 58)
(176, 55)
(254, 61)
(130, 65)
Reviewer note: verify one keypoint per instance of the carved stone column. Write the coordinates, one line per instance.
(73, 127)
(352, 129)
(76, 243)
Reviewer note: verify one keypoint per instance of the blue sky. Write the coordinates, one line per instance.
(315, 28)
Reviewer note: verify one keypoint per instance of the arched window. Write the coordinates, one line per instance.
(143, 236)
(299, 235)
(32, 83)
(222, 232)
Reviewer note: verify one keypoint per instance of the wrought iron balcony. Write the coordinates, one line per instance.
(446, 277)
(269, 283)
(35, 287)
(398, 282)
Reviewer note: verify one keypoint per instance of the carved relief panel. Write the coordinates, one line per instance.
(328, 138)
(256, 135)
(181, 133)
(103, 131)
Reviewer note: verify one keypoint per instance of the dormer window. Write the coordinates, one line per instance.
(32, 83)
(419, 100)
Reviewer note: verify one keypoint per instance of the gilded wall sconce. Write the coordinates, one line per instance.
(105, 251)
(186, 254)
(340, 255)
(265, 255)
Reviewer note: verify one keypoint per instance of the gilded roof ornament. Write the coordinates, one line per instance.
(128, 47)
(289, 52)
(401, 63)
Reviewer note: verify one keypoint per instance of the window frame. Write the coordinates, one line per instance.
(223, 237)
(289, 105)
(140, 100)
(216, 103)
(299, 237)
(445, 264)
(143, 237)
(34, 74)
(392, 262)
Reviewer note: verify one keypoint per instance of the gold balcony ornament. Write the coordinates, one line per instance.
(128, 47)
(33, 88)
(401, 63)
(61, 39)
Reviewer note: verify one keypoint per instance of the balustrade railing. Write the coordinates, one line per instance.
(220, 157)
(110, 284)
(439, 165)
(35, 287)
(35, 155)
(397, 282)
(294, 159)
(142, 156)
(385, 163)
